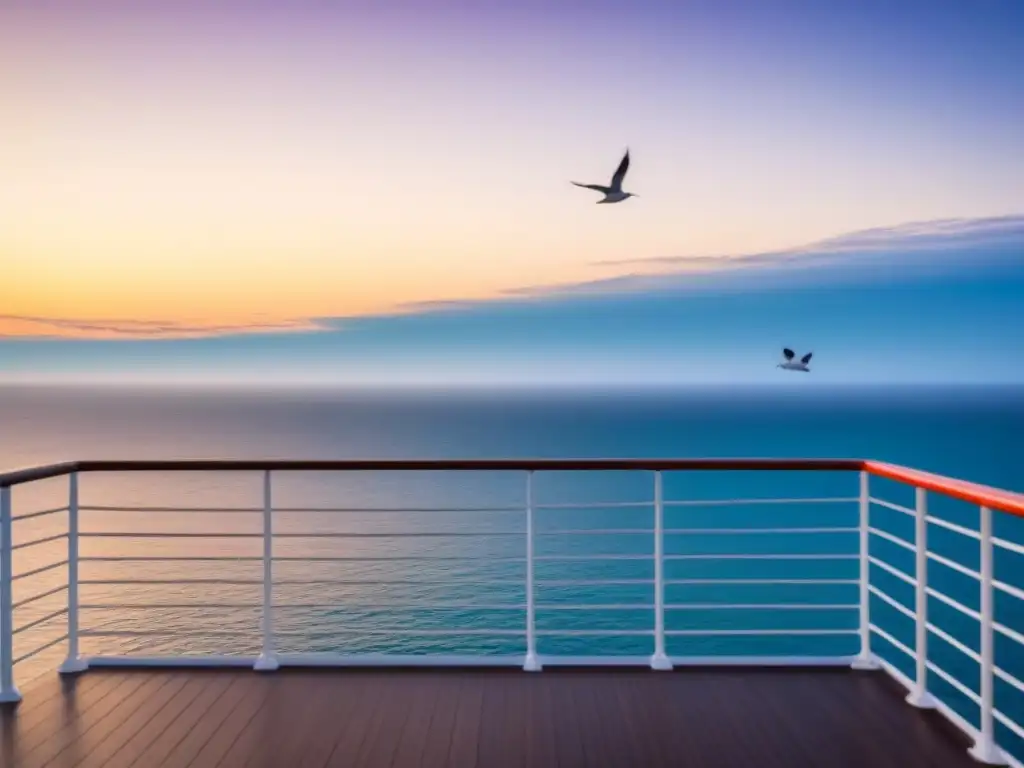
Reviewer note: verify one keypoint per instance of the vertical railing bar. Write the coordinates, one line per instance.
(267, 661)
(9, 694)
(531, 663)
(985, 749)
(659, 660)
(919, 697)
(73, 663)
(864, 660)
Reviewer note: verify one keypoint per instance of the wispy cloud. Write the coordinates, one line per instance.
(940, 233)
(63, 327)
(877, 252)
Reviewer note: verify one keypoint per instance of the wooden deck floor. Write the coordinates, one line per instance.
(457, 718)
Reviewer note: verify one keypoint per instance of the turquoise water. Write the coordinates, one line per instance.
(969, 433)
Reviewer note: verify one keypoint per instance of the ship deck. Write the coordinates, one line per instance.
(703, 718)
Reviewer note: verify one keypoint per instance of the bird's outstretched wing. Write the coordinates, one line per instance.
(806, 358)
(788, 353)
(596, 187)
(620, 172)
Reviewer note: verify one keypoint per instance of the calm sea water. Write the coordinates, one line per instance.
(376, 603)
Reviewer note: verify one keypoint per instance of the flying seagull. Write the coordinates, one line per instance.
(613, 193)
(790, 365)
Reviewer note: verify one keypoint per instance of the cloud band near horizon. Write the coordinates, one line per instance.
(931, 245)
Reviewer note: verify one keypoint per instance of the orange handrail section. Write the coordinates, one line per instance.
(983, 495)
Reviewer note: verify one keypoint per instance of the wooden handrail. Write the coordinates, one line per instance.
(524, 464)
(30, 475)
(547, 465)
(994, 498)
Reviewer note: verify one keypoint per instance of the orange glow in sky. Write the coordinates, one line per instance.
(162, 173)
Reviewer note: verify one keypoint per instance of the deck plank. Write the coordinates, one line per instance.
(281, 727)
(73, 729)
(344, 703)
(465, 735)
(392, 716)
(176, 728)
(704, 718)
(224, 737)
(59, 698)
(542, 736)
(186, 697)
(413, 739)
(183, 753)
(446, 690)
(375, 709)
(100, 744)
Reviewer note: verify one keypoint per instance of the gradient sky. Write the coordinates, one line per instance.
(212, 169)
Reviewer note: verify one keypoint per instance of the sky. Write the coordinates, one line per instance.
(331, 191)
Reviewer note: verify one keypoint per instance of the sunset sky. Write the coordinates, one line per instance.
(216, 168)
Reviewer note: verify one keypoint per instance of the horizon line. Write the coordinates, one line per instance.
(377, 386)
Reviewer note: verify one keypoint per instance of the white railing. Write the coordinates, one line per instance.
(649, 536)
(9, 605)
(982, 694)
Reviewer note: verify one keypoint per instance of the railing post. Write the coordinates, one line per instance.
(8, 692)
(532, 662)
(985, 749)
(919, 697)
(74, 662)
(659, 660)
(267, 661)
(864, 660)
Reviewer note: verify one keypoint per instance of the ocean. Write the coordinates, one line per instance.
(385, 596)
